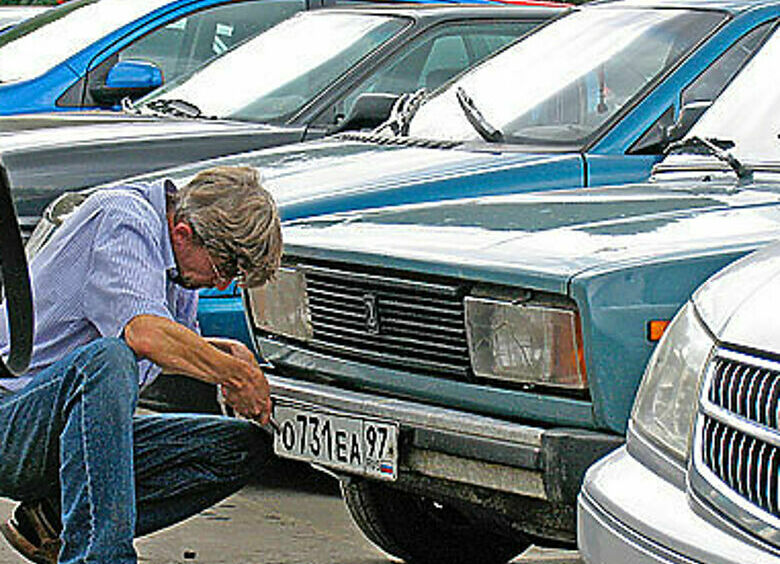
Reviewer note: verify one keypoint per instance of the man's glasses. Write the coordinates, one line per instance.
(226, 272)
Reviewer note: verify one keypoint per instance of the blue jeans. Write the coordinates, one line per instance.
(71, 436)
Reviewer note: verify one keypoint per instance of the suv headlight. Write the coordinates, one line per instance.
(525, 343)
(281, 306)
(666, 402)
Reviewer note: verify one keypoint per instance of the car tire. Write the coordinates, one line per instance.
(421, 530)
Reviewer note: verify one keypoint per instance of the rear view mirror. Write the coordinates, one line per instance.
(130, 79)
(689, 115)
(371, 109)
(16, 285)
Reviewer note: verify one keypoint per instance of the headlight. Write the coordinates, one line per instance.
(281, 306)
(667, 398)
(525, 343)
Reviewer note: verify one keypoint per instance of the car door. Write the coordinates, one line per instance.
(179, 45)
(428, 61)
(606, 165)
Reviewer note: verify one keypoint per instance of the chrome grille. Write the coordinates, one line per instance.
(736, 463)
(749, 391)
(746, 464)
(390, 320)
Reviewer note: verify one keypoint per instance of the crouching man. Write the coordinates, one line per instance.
(115, 301)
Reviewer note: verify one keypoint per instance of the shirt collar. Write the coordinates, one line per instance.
(157, 197)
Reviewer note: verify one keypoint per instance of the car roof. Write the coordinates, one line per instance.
(456, 11)
(725, 5)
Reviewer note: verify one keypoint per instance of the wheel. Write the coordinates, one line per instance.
(15, 285)
(421, 530)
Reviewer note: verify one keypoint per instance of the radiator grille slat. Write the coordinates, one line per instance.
(388, 319)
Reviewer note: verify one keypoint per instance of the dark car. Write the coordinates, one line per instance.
(271, 90)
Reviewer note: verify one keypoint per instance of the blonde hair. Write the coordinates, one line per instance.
(236, 218)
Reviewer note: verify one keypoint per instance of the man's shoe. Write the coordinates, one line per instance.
(31, 532)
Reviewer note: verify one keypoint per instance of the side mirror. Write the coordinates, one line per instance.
(689, 115)
(371, 109)
(127, 79)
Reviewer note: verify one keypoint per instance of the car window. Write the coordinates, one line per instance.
(719, 74)
(433, 59)
(596, 62)
(273, 75)
(183, 45)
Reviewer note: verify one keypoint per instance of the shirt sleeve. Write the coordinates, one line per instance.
(185, 306)
(126, 276)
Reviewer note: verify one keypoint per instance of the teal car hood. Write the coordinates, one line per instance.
(737, 303)
(546, 239)
(321, 174)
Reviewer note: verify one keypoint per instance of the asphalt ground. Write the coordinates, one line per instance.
(296, 517)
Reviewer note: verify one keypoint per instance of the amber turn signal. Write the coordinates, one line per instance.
(655, 329)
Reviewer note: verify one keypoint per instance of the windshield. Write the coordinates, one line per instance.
(276, 73)
(38, 44)
(747, 111)
(561, 84)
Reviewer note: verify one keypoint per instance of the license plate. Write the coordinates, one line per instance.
(344, 442)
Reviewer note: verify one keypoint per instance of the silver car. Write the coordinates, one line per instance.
(699, 477)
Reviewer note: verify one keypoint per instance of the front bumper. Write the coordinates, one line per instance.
(494, 463)
(628, 513)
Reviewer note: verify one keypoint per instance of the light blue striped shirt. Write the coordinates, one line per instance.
(106, 264)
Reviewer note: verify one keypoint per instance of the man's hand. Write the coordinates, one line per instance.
(248, 393)
(250, 398)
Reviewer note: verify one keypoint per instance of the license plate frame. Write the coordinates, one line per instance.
(352, 443)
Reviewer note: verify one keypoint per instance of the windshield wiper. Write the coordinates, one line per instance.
(718, 149)
(175, 107)
(476, 119)
(402, 113)
(128, 107)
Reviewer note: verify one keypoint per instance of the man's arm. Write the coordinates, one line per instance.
(177, 349)
(233, 348)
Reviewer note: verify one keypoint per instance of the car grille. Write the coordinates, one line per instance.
(389, 320)
(746, 464)
(749, 391)
(737, 440)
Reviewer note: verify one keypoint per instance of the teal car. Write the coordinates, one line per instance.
(460, 364)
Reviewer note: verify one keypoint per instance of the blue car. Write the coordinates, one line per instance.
(620, 81)
(94, 53)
